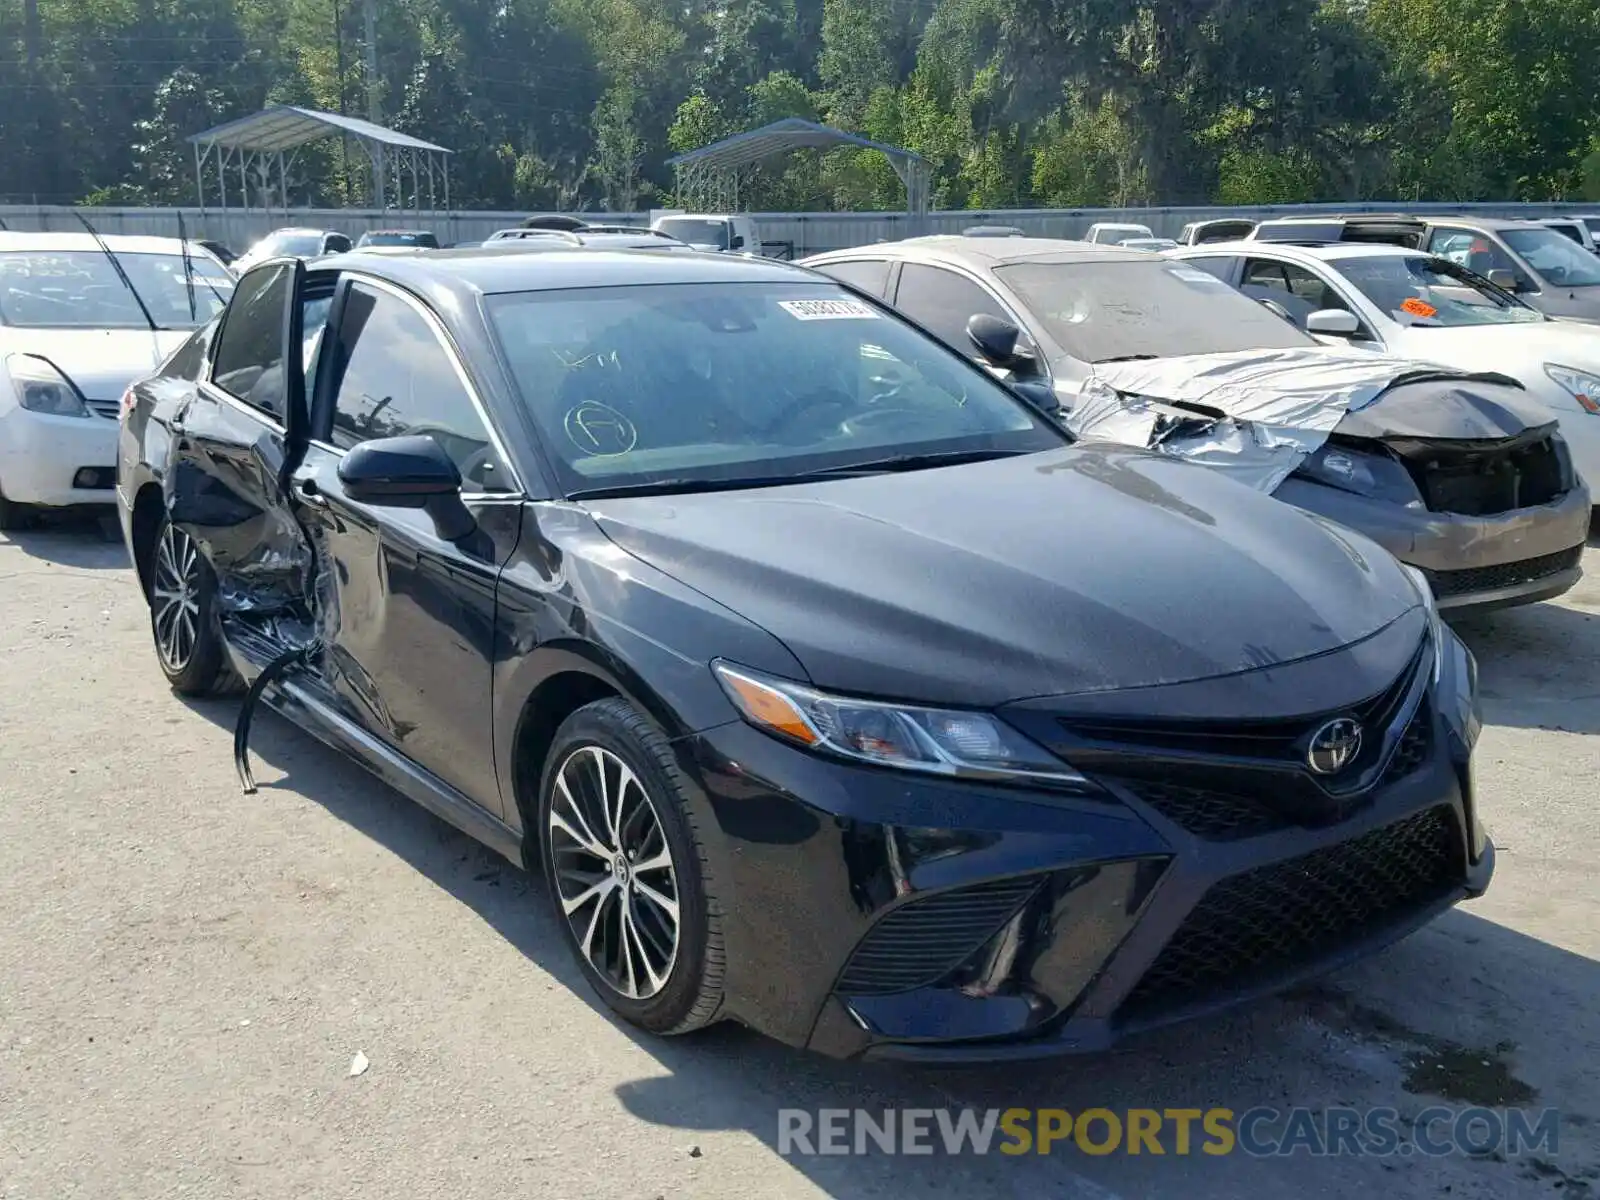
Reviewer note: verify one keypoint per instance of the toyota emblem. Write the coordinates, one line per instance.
(1334, 747)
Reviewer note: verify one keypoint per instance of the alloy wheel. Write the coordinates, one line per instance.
(175, 598)
(614, 874)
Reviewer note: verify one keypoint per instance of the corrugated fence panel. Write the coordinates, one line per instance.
(797, 233)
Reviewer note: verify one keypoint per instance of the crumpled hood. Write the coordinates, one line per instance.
(1277, 406)
(1435, 409)
(1079, 570)
(102, 362)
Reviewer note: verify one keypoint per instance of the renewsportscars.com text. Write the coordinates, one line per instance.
(1258, 1132)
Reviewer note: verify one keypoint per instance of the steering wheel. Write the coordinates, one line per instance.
(815, 399)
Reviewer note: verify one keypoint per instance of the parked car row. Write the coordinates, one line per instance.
(1456, 467)
(834, 684)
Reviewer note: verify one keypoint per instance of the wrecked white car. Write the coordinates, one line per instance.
(1463, 476)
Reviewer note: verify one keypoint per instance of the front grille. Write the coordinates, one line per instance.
(1413, 749)
(111, 409)
(1265, 739)
(1484, 579)
(1255, 926)
(922, 941)
(1483, 482)
(1215, 816)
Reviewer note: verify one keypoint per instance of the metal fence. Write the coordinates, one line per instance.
(806, 233)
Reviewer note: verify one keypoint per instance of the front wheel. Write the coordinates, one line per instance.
(627, 876)
(183, 617)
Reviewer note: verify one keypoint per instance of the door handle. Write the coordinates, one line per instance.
(309, 492)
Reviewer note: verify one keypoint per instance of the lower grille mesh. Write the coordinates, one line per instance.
(921, 942)
(1504, 575)
(1277, 918)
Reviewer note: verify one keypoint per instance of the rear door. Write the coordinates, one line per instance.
(234, 442)
(406, 617)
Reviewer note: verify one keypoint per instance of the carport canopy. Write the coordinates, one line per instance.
(708, 178)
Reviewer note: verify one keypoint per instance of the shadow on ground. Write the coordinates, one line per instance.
(1537, 666)
(1465, 1012)
(84, 540)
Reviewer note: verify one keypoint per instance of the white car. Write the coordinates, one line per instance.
(1111, 233)
(76, 328)
(1416, 305)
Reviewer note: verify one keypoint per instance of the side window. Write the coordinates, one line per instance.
(869, 274)
(1219, 265)
(399, 379)
(248, 363)
(943, 301)
(1475, 252)
(1292, 288)
(190, 358)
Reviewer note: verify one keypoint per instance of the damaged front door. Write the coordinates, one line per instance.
(405, 603)
(234, 444)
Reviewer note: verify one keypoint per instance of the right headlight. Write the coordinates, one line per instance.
(1582, 386)
(42, 388)
(937, 741)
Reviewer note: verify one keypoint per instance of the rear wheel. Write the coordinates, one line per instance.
(183, 617)
(627, 877)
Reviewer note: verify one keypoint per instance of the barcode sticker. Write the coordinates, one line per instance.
(828, 310)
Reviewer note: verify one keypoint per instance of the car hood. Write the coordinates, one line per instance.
(1470, 409)
(1082, 570)
(102, 362)
(1514, 349)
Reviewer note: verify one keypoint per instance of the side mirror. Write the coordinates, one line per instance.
(736, 242)
(1504, 277)
(408, 472)
(996, 340)
(1335, 322)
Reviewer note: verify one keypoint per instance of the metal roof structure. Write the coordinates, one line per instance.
(708, 179)
(265, 143)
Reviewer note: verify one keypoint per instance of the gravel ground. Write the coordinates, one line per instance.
(186, 974)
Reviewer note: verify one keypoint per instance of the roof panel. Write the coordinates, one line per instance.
(285, 126)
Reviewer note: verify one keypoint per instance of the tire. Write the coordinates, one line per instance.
(672, 994)
(184, 621)
(14, 516)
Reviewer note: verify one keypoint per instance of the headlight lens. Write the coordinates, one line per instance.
(41, 388)
(1584, 386)
(1361, 472)
(938, 741)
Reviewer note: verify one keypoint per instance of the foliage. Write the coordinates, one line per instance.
(573, 104)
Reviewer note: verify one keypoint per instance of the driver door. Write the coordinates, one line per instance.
(407, 617)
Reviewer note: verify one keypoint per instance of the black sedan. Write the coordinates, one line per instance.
(835, 692)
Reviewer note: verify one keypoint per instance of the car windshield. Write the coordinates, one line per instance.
(80, 289)
(295, 245)
(1137, 308)
(1431, 292)
(696, 231)
(1558, 259)
(695, 386)
(399, 239)
(1594, 225)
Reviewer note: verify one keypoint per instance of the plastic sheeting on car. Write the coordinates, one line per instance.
(1255, 415)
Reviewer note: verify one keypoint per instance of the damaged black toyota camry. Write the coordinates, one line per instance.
(834, 691)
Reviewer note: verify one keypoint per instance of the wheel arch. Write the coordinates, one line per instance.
(149, 507)
(566, 676)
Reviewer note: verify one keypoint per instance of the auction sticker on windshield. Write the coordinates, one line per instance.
(828, 310)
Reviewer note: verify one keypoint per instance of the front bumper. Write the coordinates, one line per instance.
(41, 457)
(1473, 563)
(886, 915)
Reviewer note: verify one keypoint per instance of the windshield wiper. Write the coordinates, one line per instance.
(881, 466)
(1126, 358)
(188, 266)
(117, 267)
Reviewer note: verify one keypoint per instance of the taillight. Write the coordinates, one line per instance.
(127, 404)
